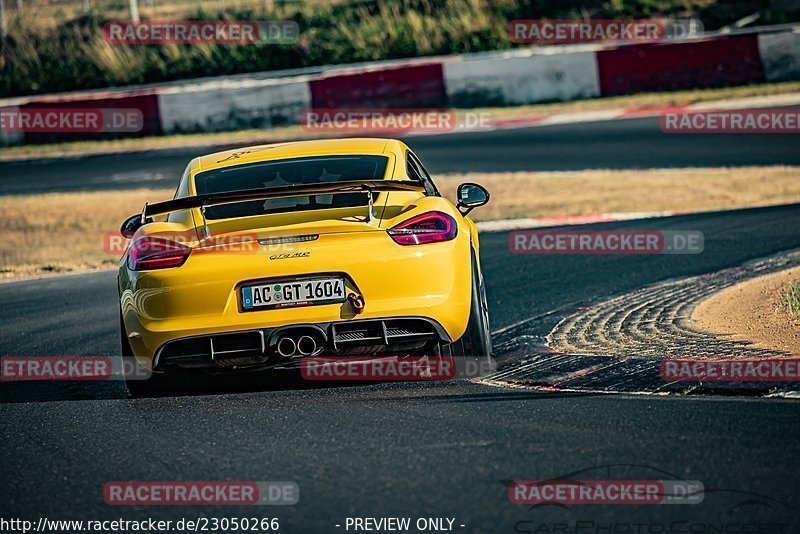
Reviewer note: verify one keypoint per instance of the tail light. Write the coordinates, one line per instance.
(157, 253)
(431, 227)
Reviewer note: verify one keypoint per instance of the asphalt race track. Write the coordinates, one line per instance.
(441, 449)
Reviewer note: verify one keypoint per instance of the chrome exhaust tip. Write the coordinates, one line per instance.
(306, 345)
(286, 347)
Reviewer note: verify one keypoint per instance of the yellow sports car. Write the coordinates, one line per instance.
(272, 253)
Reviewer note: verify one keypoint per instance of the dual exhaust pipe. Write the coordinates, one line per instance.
(289, 347)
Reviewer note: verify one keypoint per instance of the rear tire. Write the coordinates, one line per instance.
(476, 343)
(157, 383)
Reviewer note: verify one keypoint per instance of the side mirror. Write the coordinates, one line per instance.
(131, 224)
(471, 196)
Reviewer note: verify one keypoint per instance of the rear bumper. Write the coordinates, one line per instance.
(203, 297)
(259, 348)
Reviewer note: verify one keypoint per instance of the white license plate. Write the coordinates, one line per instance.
(294, 293)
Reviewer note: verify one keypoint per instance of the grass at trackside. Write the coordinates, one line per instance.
(791, 300)
(64, 232)
(755, 311)
(545, 194)
(246, 137)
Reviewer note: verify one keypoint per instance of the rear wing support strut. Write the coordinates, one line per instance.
(215, 199)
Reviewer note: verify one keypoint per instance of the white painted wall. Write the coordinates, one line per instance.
(522, 77)
(10, 138)
(780, 55)
(223, 105)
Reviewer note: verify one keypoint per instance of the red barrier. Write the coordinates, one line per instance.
(146, 103)
(718, 62)
(418, 86)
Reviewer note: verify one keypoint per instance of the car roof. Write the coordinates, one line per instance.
(297, 149)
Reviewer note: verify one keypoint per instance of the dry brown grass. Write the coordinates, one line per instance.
(790, 300)
(751, 311)
(545, 194)
(38, 14)
(651, 100)
(63, 232)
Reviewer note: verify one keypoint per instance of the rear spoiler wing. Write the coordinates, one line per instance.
(213, 199)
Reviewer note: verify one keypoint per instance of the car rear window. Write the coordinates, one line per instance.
(286, 172)
(283, 172)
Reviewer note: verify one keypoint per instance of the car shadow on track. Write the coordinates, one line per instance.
(199, 383)
(81, 390)
(411, 391)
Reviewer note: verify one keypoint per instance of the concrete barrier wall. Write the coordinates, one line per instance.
(221, 106)
(420, 86)
(780, 55)
(146, 102)
(715, 62)
(528, 76)
(522, 77)
(9, 138)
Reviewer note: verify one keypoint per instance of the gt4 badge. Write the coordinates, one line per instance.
(290, 256)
